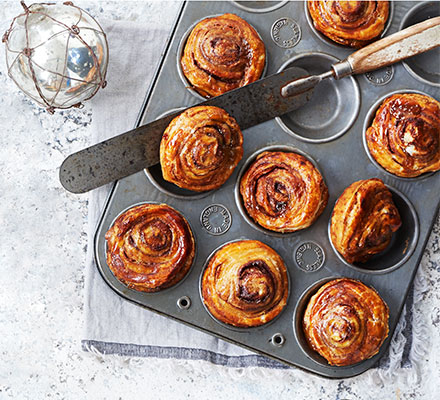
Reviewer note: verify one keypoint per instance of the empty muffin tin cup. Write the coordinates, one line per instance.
(369, 118)
(402, 245)
(259, 6)
(245, 167)
(298, 316)
(334, 105)
(123, 288)
(181, 48)
(224, 324)
(423, 67)
(335, 45)
(155, 176)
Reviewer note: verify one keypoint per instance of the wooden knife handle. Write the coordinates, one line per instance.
(406, 43)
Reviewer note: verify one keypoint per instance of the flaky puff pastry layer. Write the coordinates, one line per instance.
(404, 137)
(150, 247)
(222, 53)
(283, 191)
(200, 148)
(363, 221)
(245, 284)
(346, 322)
(350, 23)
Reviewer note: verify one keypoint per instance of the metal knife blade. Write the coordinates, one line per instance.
(137, 149)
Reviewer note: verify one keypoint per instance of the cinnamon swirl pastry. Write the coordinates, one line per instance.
(245, 284)
(200, 148)
(283, 191)
(350, 23)
(222, 53)
(404, 137)
(150, 247)
(346, 322)
(363, 220)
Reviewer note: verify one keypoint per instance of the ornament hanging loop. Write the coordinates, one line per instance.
(74, 29)
(25, 7)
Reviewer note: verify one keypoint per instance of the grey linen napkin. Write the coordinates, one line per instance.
(112, 324)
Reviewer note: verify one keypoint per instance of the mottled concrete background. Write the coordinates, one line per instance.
(42, 253)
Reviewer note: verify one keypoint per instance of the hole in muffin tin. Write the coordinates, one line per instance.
(335, 45)
(181, 48)
(334, 105)
(402, 245)
(184, 302)
(155, 176)
(277, 340)
(245, 167)
(123, 285)
(298, 316)
(259, 6)
(367, 123)
(224, 324)
(424, 67)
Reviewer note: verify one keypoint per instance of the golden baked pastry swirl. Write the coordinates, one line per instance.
(150, 247)
(363, 221)
(346, 322)
(350, 23)
(404, 137)
(221, 54)
(200, 148)
(283, 191)
(245, 284)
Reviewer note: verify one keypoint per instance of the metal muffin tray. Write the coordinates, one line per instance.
(328, 130)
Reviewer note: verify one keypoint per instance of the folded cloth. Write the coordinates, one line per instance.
(112, 324)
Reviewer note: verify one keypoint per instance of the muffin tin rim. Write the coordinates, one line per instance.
(405, 18)
(298, 315)
(368, 120)
(245, 166)
(230, 326)
(125, 286)
(340, 46)
(181, 47)
(411, 246)
(260, 10)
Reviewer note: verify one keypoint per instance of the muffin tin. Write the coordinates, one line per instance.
(216, 217)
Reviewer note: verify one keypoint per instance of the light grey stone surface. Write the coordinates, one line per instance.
(42, 253)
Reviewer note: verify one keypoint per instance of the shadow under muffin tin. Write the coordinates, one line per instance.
(335, 144)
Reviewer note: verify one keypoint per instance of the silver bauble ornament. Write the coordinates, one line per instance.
(57, 54)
